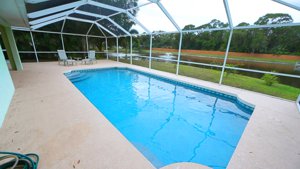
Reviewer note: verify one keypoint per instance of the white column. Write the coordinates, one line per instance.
(106, 48)
(226, 55)
(179, 54)
(87, 43)
(62, 41)
(117, 49)
(33, 44)
(61, 35)
(131, 50)
(150, 52)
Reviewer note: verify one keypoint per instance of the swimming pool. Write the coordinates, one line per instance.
(166, 120)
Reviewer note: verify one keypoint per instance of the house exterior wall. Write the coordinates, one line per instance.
(7, 88)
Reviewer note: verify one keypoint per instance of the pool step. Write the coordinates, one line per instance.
(77, 76)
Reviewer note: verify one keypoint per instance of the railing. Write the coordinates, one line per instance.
(170, 60)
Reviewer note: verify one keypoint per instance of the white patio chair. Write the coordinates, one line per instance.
(91, 58)
(62, 57)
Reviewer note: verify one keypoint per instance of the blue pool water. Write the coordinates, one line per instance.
(166, 120)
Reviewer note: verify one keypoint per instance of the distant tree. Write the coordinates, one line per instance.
(241, 39)
(213, 24)
(258, 42)
(277, 38)
(243, 24)
(188, 39)
(133, 31)
(189, 27)
(274, 18)
(215, 40)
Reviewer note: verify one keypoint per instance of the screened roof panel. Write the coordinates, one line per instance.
(195, 12)
(154, 19)
(120, 4)
(76, 27)
(104, 32)
(250, 11)
(96, 31)
(33, 7)
(80, 16)
(97, 10)
(123, 20)
(55, 27)
(296, 3)
(127, 23)
(111, 27)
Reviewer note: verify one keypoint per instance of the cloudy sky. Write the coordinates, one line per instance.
(198, 12)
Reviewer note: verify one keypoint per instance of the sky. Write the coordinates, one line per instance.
(199, 12)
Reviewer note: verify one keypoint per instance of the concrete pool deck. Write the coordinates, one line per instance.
(50, 117)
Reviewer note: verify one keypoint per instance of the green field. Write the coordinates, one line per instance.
(236, 80)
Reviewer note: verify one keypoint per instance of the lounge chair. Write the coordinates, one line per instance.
(62, 57)
(91, 58)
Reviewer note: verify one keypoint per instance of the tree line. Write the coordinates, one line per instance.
(280, 40)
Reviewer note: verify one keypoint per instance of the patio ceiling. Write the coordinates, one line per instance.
(99, 13)
(13, 13)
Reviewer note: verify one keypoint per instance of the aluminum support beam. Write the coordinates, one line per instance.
(33, 44)
(226, 55)
(117, 39)
(150, 52)
(47, 23)
(106, 48)
(55, 9)
(228, 13)
(62, 41)
(205, 30)
(104, 17)
(102, 27)
(90, 21)
(63, 26)
(138, 22)
(264, 72)
(120, 27)
(160, 5)
(74, 34)
(89, 14)
(94, 3)
(90, 28)
(267, 26)
(287, 4)
(87, 43)
(79, 19)
(127, 10)
(102, 31)
(51, 17)
(61, 34)
(131, 50)
(179, 54)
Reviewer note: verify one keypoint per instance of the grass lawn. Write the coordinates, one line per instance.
(236, 80)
